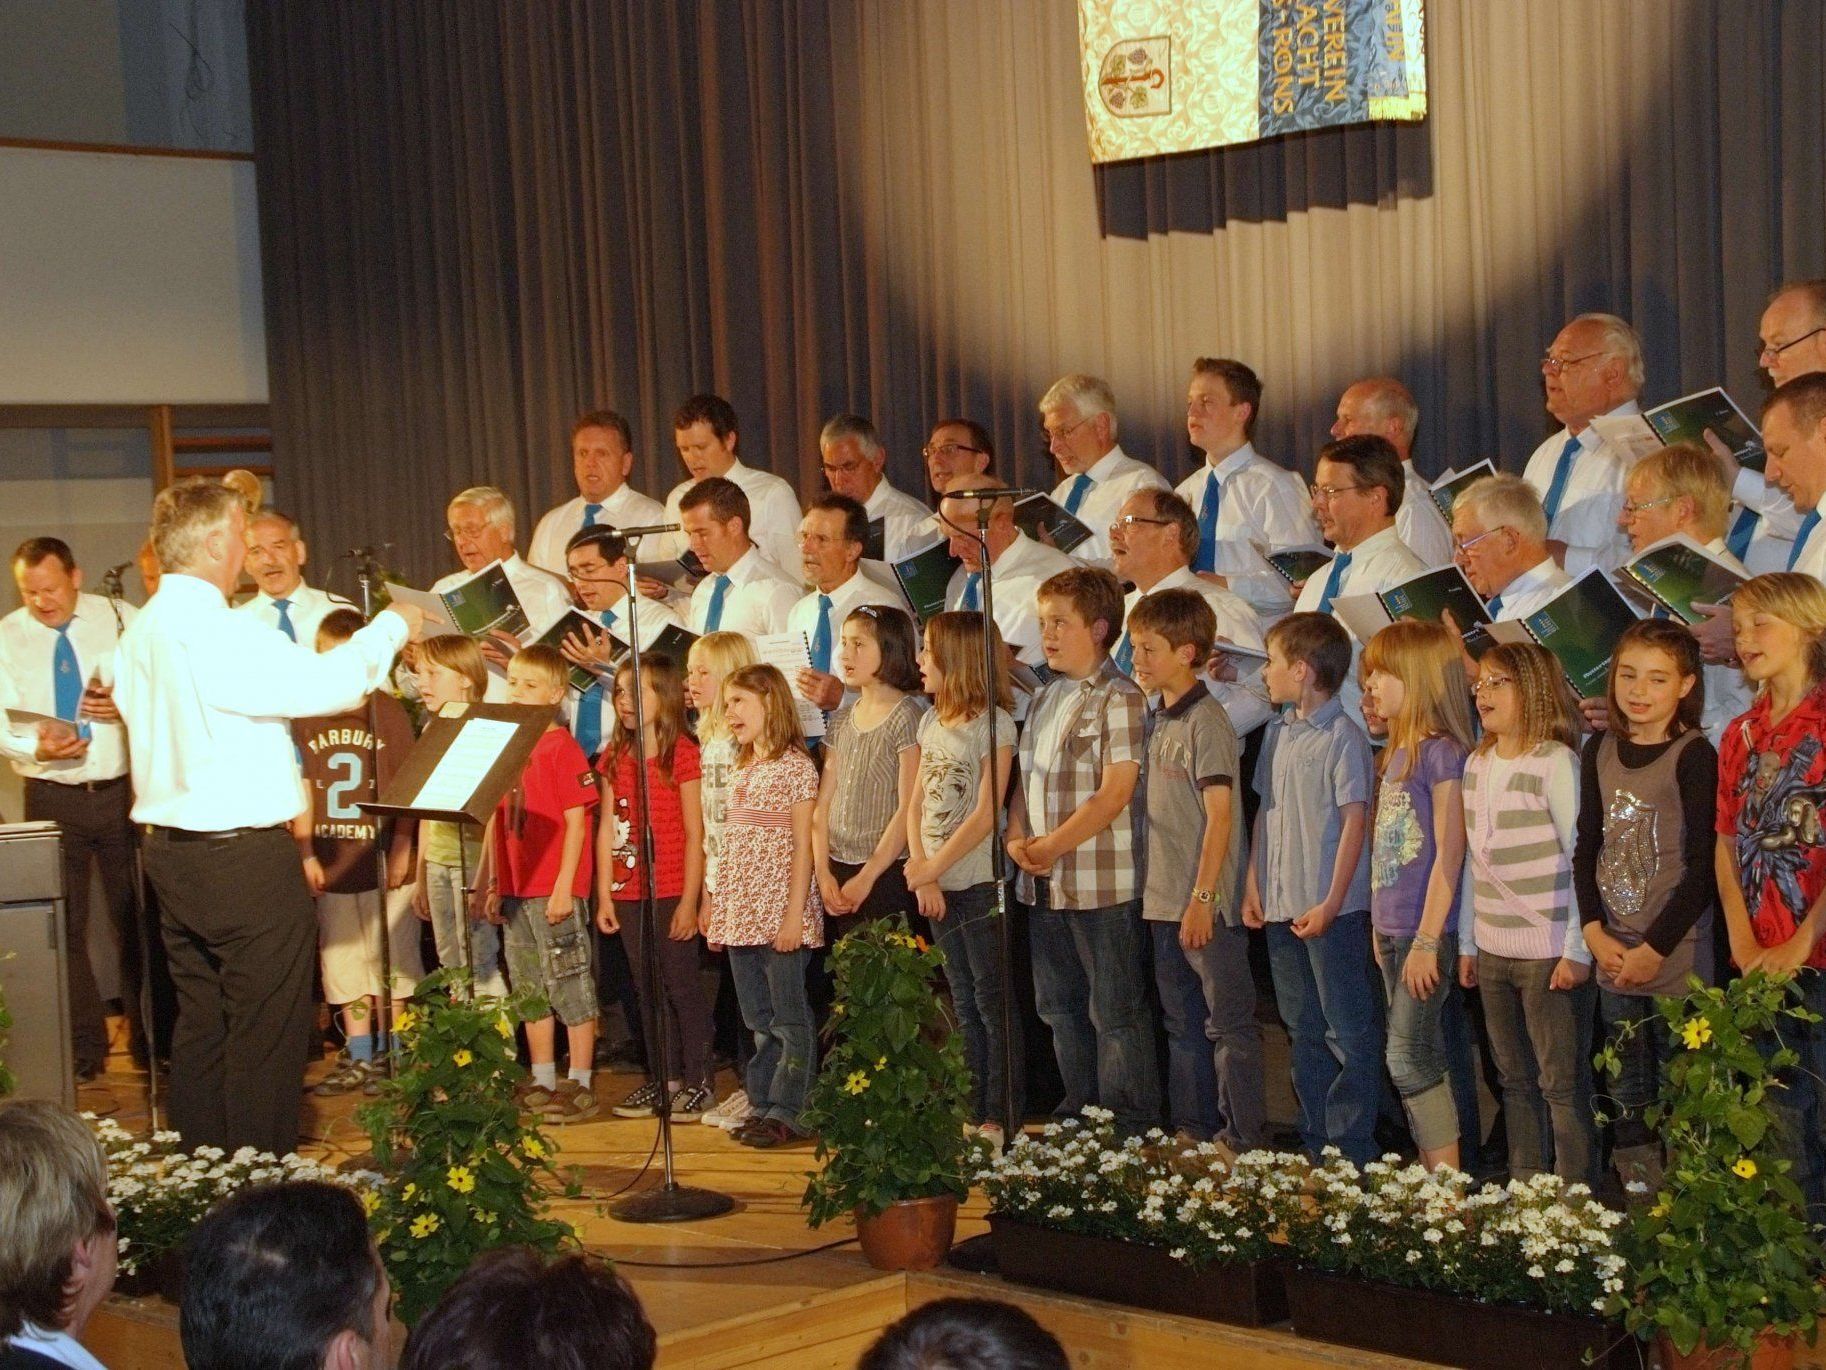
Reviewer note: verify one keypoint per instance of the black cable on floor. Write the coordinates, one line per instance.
(732, 1265)
(645, 1166)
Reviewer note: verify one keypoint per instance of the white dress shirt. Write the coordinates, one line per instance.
(308, 608)
(1023, 567)
(1776, 524)
(759, 597)
(655, 618)
(1812, 559)
(859, 590)
(1380, 562)
(1592, 499)
(1530, 591)
(26, 651)
(906, 524)
(1236, 622)
(1115, 476)
(1259, 502)
(773, 516)
(625, 508)
(207, 694)
(543, 595)
(55, 1344)
(1421, 526)
(1728, 694)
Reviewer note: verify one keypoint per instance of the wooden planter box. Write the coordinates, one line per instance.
(1249, 1295)
(1425, 1324)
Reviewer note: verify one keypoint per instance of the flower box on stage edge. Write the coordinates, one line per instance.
(1248, 1294)
(1429, 1325)
(161, 1277)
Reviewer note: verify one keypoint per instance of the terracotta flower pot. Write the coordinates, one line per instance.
(913, 1234)
(1769, 1353)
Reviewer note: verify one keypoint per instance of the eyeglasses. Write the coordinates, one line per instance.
(1491, 682)
(1466, 544)
(469, 532)
(1555, 366)
(1055, 436)
(1770, 351)
(842, 468)
(944, 449)
(1331, 492)
(1631, 510)
(1127, 521)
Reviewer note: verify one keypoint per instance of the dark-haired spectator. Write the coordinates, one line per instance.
(602, 458)
(512, 1309)
(965, 1334)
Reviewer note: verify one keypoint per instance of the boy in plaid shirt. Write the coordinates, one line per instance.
(1075, 831)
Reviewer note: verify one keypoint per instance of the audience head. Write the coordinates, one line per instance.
(715, 516)
(1778, 627)
(285, 1277)
(1678, 489)
(1794, 435)
(878, 643)
(965, 1334)
(951, 666)
(1655, 673)
(247, 485)
(832, 537)
(710, 660)
(48, 579)
(759, 711)
(957, 447)
(199, 528)
(1414, 677)
(704, 431)
(538, 675)
(1078, 414)
(451, 669)
(1171, 633)
(852, 456)
(512, 1308)
(1223, 401)
(479, 522)
(1305, 651)
(275, 553)
(1793, 331)
(597, 561)
(1154, 535)
(1080, 619)
(1356, 489)
(57, 1262)
(1593, 364)
(1383, 407)
(602, 453)
(1499, 530)
(957, 520)
(1522, 695)
(338, 626)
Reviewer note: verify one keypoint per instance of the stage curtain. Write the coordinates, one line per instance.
(479, 218)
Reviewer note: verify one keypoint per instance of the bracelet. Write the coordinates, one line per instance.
(1424, 943)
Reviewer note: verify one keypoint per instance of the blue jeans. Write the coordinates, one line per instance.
(1214, 1047)
(1800, 1112)
(770, 986)
(1541, 1038)
(1090, 989)
(1323, 989)
(972, 945)
(1417, 1046)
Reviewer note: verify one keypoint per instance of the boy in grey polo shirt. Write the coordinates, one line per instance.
(1308, 883)
(1193, 908)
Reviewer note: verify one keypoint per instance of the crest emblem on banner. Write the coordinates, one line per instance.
(1136, 80)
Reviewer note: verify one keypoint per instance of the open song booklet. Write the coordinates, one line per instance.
(483, 604)
(1710, 418)
(1580, 627)
(667, 640)
(1682, 575)
(1429, 596)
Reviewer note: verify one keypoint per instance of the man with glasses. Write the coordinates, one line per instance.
(1385, 407)
(1020, 565)
(854, 464)
(480, 525)
(1078, 415)
(598, 564)
(602, 458)
(957, 447)
(1499, 531)
(1355, 494)
(1794, 434)
(1792, 335)
(1592, 370)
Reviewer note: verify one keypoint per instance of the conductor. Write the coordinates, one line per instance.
(207, 694)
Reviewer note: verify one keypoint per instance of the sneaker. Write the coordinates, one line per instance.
(532, 1097)
(764, 1134)
(690, 1103)
(345, 1079)
(642, 1103)
(570, 1103)
(731, 1113)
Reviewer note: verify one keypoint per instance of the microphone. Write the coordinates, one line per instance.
(368, 553)
(998, 492)
(116, 572)
(645, 529)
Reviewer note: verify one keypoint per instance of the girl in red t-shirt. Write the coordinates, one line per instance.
(668, 968)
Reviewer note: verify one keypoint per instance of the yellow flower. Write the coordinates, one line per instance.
(881, 1063)
(836, 1009)
(535, 1148)
(1660, 1210)
(408, 1191)
(460, 1178)
(406, 1021)
(1745, 1169)
(424, 1225)
(1696, 1032)
(462, 1058)
(370, 1202)
(486, 1218)
(504, 1027)
(858, 1081)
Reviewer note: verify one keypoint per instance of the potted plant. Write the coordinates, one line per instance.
(1726, 1266)
(890, 1102)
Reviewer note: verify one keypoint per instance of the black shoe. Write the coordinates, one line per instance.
(87, 1071)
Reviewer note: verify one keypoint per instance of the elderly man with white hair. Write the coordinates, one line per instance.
(480, 525)
(1079, 416)
(1592, 370)
(855, 462)
(1499, 531)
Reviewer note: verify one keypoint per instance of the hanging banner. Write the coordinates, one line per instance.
(1178, 75)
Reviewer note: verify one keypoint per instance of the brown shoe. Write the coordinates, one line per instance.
(570, 1103)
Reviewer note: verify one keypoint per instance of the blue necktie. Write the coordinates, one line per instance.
(1743, 531)
(1207, 524)
(66, 681)
(1808, 524)
(589, 514)
(589, 709)
(1495, 606)
(821, 640)
(973, 584)
(719, 588)
(1562, 472)
(1075, 496)
(1339, 565)
(284, 606)
(1125, 655)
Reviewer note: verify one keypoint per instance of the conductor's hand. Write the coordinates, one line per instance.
(60, 742)
(414, 616)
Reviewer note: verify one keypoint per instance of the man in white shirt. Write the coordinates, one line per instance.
(1794, 435)
(61, 1240)
(957, 447)
(1078, 415)
(830, 550)
(602, 457)
(276, 554)
(1153, 541)
(57, 660)
(1384, 406)
(1241, 497)
(1355, 495)
(1592, 370)
(743, 591)
(598, 561)
(1018, 566)
(206, 694)
(854, 464)
(480, 525)
(704, 431)
(1500, 531)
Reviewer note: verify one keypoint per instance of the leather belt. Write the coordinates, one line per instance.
(191, 835)
(92, 786)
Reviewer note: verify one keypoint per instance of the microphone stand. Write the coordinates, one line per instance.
(367, 573)
(671, 1202)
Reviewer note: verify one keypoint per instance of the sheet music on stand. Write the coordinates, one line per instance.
(461, 766)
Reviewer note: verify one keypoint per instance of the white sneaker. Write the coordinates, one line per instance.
(731, 1113)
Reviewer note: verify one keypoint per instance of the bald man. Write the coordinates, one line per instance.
(1384, 406)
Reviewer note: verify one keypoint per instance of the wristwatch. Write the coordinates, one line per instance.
(1204, 896)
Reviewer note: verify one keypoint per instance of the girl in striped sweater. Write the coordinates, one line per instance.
(1525, 950)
